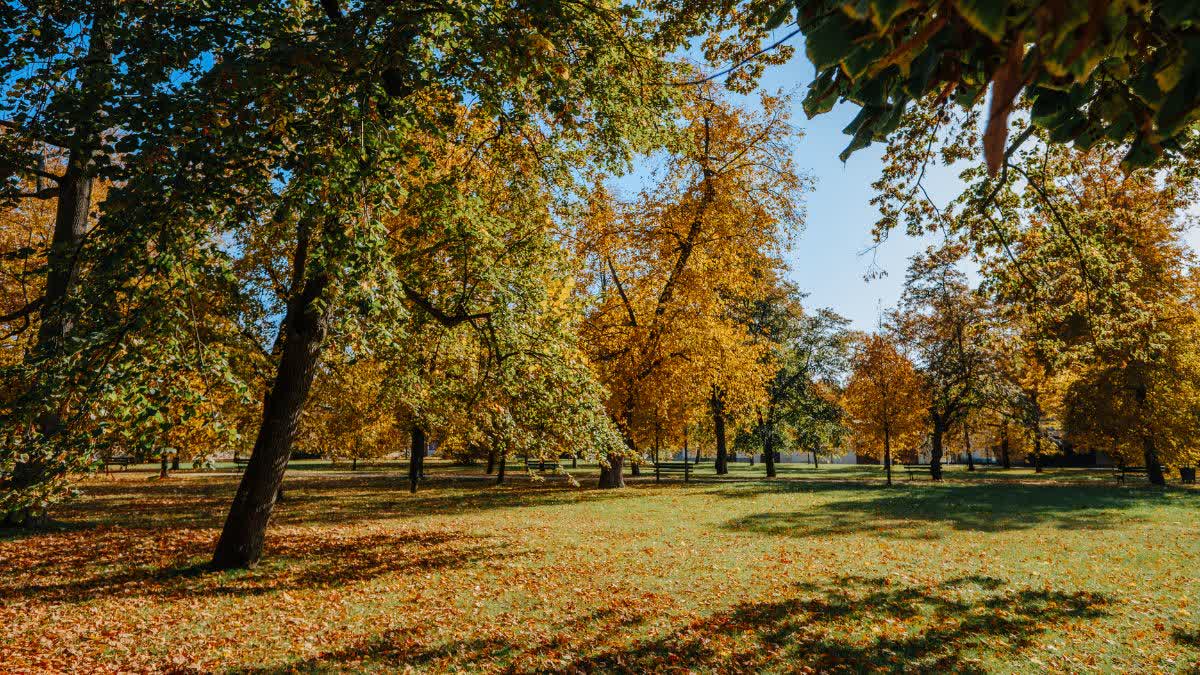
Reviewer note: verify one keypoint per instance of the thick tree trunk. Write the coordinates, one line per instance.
(500, 468)
(1154, 470)
(416, 458)
(717, 404)
(491, 465)
(935, 450)
(610, 476)
(306, 324)
(175, 461)
(162, 471)
(610, 471)
(816, 449)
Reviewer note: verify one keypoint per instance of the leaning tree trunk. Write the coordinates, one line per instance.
(935, 450)
(306, 324)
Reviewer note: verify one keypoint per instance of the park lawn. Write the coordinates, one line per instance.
(821, 570)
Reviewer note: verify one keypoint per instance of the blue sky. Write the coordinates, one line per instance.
(830, 259)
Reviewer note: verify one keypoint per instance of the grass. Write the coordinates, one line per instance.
(822, 570)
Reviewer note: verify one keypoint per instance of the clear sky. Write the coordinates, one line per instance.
(831, 258)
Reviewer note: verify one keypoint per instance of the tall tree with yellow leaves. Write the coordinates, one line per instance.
(670, 265)
(885, 400)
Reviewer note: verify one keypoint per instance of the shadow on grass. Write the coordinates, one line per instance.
(116, 562)
(848, 623)
(909, 512)
(203, 501)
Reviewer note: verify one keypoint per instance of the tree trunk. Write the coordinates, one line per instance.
(500, 469)
(768, 447)
(887, 454)
(70, 226)
(354, 464)
(162, 471)
(935, 450)
(491, 465)
(610, 471)
(416, 458)
(175, 462)
(610, 476)
(1005, 460)
(1154, 470)
(306, 325)
(718, 414)
(1037, 453)
(816, 449)
(967, 442)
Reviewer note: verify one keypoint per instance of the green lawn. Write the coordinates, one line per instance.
(820, 569)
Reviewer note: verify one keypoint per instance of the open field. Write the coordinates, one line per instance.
(821, 570)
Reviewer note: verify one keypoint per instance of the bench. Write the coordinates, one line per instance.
(676, 468)
(1122, 471)
(239, 463)
(541, 465)
(122, 461)
(914, 469)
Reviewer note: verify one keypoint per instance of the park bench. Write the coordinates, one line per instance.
(675, 468)
(541, 465)
(122, 461)
(914, 469)
(1122, 471)
(239, 463)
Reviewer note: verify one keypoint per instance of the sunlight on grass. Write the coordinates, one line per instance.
(823, 569)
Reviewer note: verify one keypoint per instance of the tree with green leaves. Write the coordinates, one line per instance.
(1123, 70)
(941, 318)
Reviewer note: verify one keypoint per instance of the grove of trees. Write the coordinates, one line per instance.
(356, 228)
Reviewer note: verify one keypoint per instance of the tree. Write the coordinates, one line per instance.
(885, 399)
(672, 265)
(82, 79)
(941, 319)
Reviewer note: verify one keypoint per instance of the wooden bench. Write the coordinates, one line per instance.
(1122, 471)
(239, 463)
(122, 461)
(676, 468)
(914, 469)
(541, 465)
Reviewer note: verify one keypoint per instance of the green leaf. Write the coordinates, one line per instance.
(781, 14)
(828, 42)
(985, 16)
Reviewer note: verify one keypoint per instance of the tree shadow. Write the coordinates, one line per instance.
(203, 501)
(119, 562)
(845, 624)
(910, 512)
